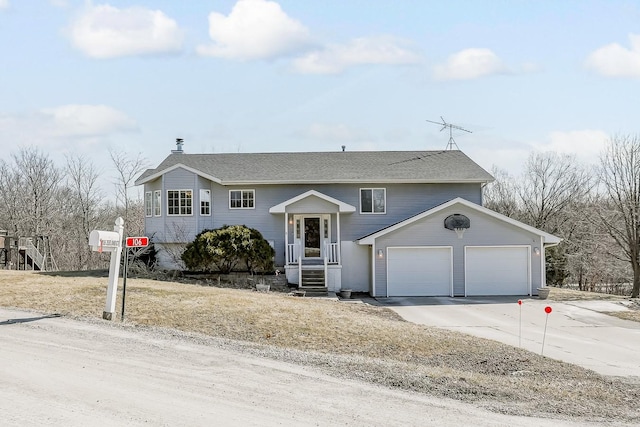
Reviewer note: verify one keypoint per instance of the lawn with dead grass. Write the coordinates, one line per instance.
(563, 294)
(387, 349)
(560, 294)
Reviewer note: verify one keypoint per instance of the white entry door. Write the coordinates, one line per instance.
(312, 234)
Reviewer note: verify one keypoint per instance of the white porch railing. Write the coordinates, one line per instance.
(326, 271)
(331, 253)
(293, 253)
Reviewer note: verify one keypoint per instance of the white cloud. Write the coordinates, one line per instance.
(4, 4)
(67, 128)
(614, 60)
(107, 32)
(470, 64)
(86, 120)
(586, 144)
(255, 29)
(335, 58)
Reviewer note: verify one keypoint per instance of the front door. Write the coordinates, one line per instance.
(312, 237)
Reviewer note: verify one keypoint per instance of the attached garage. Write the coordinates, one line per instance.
(419, 271)
(497, 270)
(457, 249)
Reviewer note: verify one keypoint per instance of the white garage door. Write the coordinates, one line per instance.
(497, 270)
(419, 271)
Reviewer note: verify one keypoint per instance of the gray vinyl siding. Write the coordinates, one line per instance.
(402, 202)
(204, 221)
(154, 225)
(430, 231)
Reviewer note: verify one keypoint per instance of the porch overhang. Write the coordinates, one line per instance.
(282, 207)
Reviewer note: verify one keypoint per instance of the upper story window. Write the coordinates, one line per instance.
(205, 202)
(241, 199)
(157, 198)
(179, 202)
(147, 204)
(373, 200)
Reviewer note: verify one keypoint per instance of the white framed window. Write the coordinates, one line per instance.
(179, 202)
(373, 200)
(147, 204)
(157, 199)
(242, 199)
(205, 202)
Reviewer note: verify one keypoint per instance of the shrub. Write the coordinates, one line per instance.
(224, 248)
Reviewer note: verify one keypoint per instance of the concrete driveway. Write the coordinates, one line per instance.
(577, 331)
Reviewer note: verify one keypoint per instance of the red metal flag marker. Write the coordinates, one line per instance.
(547, 310)
(520, 324)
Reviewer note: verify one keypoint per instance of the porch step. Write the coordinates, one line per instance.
(312, 278)
(315, 291)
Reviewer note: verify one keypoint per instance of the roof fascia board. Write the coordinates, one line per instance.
(356, 181)
(174, 167)
(549, 239)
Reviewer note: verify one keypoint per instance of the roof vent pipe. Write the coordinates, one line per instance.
(179, 143)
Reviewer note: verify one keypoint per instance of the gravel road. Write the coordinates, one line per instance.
(60, 371)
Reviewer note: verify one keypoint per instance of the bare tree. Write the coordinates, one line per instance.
(593, 257)
(501, 194)
(12, 186)
(620, 212)
(85, 198)
(551, 185)
(41, 182)
(549, 195)
(127, 168)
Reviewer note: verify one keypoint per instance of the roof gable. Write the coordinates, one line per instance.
(549, 239)
(342, 206)
(157, 174)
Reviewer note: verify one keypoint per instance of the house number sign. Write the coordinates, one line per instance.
(137, 242)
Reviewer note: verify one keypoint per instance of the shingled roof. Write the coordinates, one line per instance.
(326, 167)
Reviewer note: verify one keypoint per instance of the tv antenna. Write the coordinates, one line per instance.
(451, 127)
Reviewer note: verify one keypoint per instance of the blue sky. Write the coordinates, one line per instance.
(84, 77)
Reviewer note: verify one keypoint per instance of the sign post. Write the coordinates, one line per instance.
(114, 269)
(131, 242)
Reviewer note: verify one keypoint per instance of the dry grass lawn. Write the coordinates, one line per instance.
(562, 294)
(559, 294)
(389, 351)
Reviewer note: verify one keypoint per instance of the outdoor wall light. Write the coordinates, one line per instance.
(380, 253)
(536, 251)
(290, 221)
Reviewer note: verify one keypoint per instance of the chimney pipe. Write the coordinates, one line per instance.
(179, 143)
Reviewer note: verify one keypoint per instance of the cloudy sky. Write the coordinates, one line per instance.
(84, 77)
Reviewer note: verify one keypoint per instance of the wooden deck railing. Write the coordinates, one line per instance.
(37, 259)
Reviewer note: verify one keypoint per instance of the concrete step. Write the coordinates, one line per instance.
(315, 291)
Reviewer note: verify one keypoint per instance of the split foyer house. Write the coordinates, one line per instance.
(392, 223)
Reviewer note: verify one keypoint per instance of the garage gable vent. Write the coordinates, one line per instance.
(458, 223)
